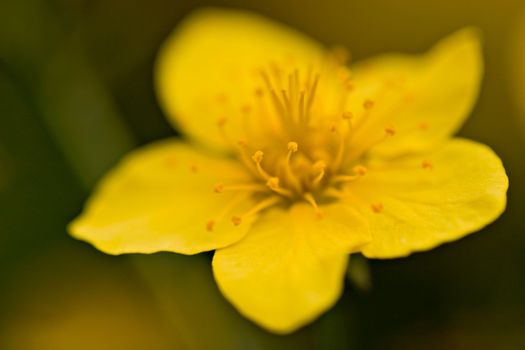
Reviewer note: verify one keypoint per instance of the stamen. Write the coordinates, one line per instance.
(311, 200)
(311, 97)
(265, 203)
(245, 157)
(302, 116)
(360, 170)
(279, 108)
(221, 123)
(287, 102)
(347, 115)
(319, 168)
(334, 193)
(210, 225)
(292, 148)
(273, 184)
(246, 109)
(390, 130)
(426, 164)
(344, 178)
(236, 220)
(218, 188)
(368, 104)
(377, 207)
(356, 152)
(257, 158)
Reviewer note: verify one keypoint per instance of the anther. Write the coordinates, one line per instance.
(426, 164)
(236, 220)
(293, 180)
(194, 168)
(221, 121)
(258, 156)
(218, 188)
(263, 204)
(347, 115)
(368, 104)
(311, 200)
(210, 225)
(273, 183)
(242, 143)
(246, 109)
(423, 126)
(377, 207)
(390, 130)
(360, 170)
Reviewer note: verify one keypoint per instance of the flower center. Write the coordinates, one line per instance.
(298, 133)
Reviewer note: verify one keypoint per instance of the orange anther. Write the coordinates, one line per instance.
(426, 164)
(360, 170)
(246, 109)
(218, 188)
(347, 115)
(377, 207)
(423, 126)
(390, 130)
(210, 225)
(368, 104)
(258, 156)
(273, 183)
(221, 121)
(236, 220)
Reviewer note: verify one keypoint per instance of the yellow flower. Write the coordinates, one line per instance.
(296, 161)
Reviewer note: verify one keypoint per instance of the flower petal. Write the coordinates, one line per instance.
(208, 68)
(424, 98)
(415, 203)
(290, 267)
(161, 198)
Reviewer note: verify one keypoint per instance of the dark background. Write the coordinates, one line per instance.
(76, 93)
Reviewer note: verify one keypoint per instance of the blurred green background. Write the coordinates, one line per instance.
(76, 94)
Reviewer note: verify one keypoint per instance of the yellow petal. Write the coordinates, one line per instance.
(415, 203)
(208, 69)
(161, 198)
(289, 268)
(424, 98)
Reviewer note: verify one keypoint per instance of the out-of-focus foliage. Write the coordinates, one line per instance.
(516, 67)
(76, 93)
